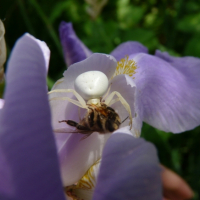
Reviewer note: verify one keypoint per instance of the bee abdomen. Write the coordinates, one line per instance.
(111, 125)
(99, 122)
(91, 118)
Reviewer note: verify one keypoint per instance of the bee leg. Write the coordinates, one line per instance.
(75, 124)
(124, 120)
(69, 122)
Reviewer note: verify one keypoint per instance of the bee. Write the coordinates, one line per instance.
(99, 117)
(102, 119)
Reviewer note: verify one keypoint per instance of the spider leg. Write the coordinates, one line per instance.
(106, 93)
(81, 102)
(108, 101)
(113, 101)
(77, 103)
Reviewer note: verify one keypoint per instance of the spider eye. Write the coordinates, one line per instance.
(91, 84)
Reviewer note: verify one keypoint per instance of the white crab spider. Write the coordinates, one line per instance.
(89, 89)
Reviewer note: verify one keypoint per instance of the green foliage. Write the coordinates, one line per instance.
(2, 85)
(171, 26)
(192, 48)
(179, 152)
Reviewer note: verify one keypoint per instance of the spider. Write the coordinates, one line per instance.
(100, 117)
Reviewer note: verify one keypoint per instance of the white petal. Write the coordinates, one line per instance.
(77, 156)
(138, 118)
(62, 83)
(1, 103)
(126, 87)
(85, 187)
(60, 108)
(100, 62)
(124, 130)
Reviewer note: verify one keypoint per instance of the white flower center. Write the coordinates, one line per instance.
(91, 84)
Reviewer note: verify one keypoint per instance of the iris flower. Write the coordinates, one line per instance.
(161, 90)
(29, 166)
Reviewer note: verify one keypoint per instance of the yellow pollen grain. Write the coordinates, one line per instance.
(126, 66)
(88, 180)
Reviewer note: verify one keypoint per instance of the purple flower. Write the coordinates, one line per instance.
(167, 88)
(78, 157)
(28, 159)
(161, 90)
(29, 166)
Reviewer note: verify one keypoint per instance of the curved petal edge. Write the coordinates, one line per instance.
(129, 170)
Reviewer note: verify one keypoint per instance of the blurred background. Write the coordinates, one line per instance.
(168, 25)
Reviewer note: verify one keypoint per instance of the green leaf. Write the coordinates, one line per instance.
(190, 23)
(2, 87)
(50, 82)
(192, 48)
(68, 6)
(128, 15)
(146, 37)
(160, 140)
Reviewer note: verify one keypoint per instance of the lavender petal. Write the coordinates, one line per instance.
(27, 147)
(129, 170)
(73, 49)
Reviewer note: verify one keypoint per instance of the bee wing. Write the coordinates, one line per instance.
(66, 130)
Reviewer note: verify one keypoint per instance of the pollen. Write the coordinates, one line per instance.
(88, 181)
(126, 66)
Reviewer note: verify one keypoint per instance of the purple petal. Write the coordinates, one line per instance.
(74, 50)
(30, 167)
(128, 48)
(129, 170)
(188, 65)
(168, 93)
